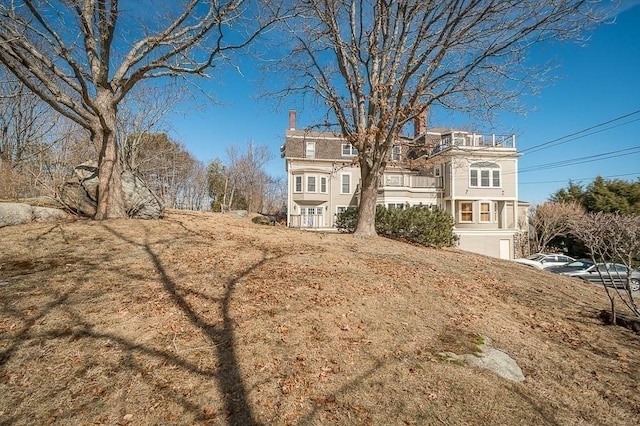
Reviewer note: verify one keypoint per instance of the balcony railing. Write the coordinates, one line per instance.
(306, 221)
(475, 140)
(402, 181)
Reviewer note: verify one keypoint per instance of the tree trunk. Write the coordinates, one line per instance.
(366, 224)
(110, 194)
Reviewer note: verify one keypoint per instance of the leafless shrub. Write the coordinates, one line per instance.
(612, 237)
(550, 220)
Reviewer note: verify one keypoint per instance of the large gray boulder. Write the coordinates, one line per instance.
(80, 193)
(22, 213)
(138, 198)
(15, 214)
(48, 214)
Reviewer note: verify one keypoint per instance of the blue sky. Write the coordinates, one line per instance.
(599, 82)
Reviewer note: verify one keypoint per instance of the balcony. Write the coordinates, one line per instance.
(410, 181)
(475, 141)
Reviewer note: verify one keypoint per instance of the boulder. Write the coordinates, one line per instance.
(495, 360)
(21, 213)
(15, 214)
(80, 193)
(139, 200)
(48, 214)
(74, 195)
(263, 220)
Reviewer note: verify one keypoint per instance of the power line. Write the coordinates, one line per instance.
(582, 160)
(530, 150)
(555, 141)
(578, 179)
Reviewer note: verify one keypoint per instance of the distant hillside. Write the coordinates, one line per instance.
(210, 319)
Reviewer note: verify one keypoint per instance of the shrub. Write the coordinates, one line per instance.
(418, 224)
(346, 221)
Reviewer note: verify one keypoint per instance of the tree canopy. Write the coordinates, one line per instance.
(377, 65)
(603, 195)
(83, 57)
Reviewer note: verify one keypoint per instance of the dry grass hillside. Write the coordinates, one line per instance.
(210, 319)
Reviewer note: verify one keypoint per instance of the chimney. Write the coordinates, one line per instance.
(420, 124)
(292, 119)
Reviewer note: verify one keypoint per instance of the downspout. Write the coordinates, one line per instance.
(452, 190)
(289, 193)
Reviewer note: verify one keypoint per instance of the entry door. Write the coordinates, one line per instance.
(505, 249)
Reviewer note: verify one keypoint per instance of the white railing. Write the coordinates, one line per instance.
(476, 140)
(400, 181)
(306, 221)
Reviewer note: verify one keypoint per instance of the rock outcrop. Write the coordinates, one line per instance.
(80, 193)
(20, 213)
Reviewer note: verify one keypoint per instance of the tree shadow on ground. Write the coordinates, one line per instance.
(228, 376)
(220, 335)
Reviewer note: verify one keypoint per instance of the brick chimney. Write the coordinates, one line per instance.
(420, 124)
(292, 119)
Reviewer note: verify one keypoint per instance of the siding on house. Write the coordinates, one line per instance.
(471, 176)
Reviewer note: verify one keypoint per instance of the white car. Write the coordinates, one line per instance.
(542, 260)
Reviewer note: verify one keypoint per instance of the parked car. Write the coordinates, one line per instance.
(575, 266)
(542, 260)
(611, 274)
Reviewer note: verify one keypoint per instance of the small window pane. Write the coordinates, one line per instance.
(346, 184)
(395, 153)
(466, 212)
(298, 183)
(323, 184)
(484, 178)
(474, 178)
(311, 150)
(311, 184)
(496, 178)
(485, 212)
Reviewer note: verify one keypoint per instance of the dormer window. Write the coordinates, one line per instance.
(348, 150)
(310, 151)
(395, 153)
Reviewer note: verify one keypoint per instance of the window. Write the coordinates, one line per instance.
(466, 212)
(484, 178)
(348, 150)
(496, 178)
(341, 209)
(310, 151)
(437, 171)
(398, 206)
(485, 212)
(395, 153)
(484, 175)
(298, 184)
(311, 184)
(346, 184)
(323, 184)
(393, 180)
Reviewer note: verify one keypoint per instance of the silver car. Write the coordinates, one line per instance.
(609, 274)
(543, 260)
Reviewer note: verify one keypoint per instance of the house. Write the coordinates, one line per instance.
(472, 176)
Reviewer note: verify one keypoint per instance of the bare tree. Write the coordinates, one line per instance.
(144, 112)
(377, 65)
(551, 220)
(83, 57)
(33, 138)
(612, 237)
(247, 176)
